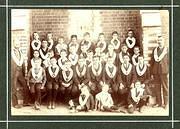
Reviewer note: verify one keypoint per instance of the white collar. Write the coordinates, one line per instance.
(133, 42)
(133, 59)
(159, 58)
(121, 57)
(126, 72)
(55, 73)
(44, 56)
(97, 73)
(111, 75)
(141, 72)
(80, 74)
(113, 56)
(19, 61)
(73, 58)
(104, 45)
(116, 46)
(89, 43)
(38, 75)
(36, 47)
(67, 78)
(76, 44)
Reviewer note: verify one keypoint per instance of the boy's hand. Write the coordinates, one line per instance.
(121, 86)
(78, 107)
(132, 85)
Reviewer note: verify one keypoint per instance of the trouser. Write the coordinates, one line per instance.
(70, 92)
(114, 92)
(95, 88)
(110, 109)
(161, 82)
(123, 95)
(52, 90)
(90, 104)
(35, 89)
(20, 90)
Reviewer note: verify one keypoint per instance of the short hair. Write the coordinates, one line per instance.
(53, 58)
(114, 32)
(130, 30)
(63, 50)
(35, 51)
(136, 47)
(35, 32)
(86, 33)
(122, 45)
(44, 40)
(61, 37)
(126, 55)
(95, 56)
(73, 36)
(49, 32)
(101, 34)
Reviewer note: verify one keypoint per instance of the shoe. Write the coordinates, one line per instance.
(156, 105)
(18, 106)
(164, 106)
(37, 105)
(49, 106)
(140, 110)
(53, 106)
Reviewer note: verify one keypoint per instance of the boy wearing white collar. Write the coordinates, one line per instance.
(110, 77)
(60, 45)
(127, 78)
(136, 98)
(73, 56)
(85, 101)
(36, 81)
(74, 42)
(135, 55)
(111, 53)
(36, 43)
(130, 41)
(101, 43)
(63, 58)
(50, 40)
(124, 51)
(81, 72)
(95, 75)
(36, 58)
(87, 41)
(44, 50)
(115, 41)
(104, 101)
(68, 89)
(160, 71)
(52, 73)
(89, 58)
(143, 73)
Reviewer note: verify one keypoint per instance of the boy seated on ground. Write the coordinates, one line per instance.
(104, 101)
(85, 101)
(136, 98)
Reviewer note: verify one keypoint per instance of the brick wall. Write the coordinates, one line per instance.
(49, 20)
(60, 22)
(121, 21)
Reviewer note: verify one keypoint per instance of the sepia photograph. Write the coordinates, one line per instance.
(89, 62)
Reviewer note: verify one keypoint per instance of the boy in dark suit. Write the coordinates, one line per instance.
(52, 82)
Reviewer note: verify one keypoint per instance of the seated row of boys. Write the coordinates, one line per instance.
(70, 82)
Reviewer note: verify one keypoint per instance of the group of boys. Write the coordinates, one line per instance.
(91, 76)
